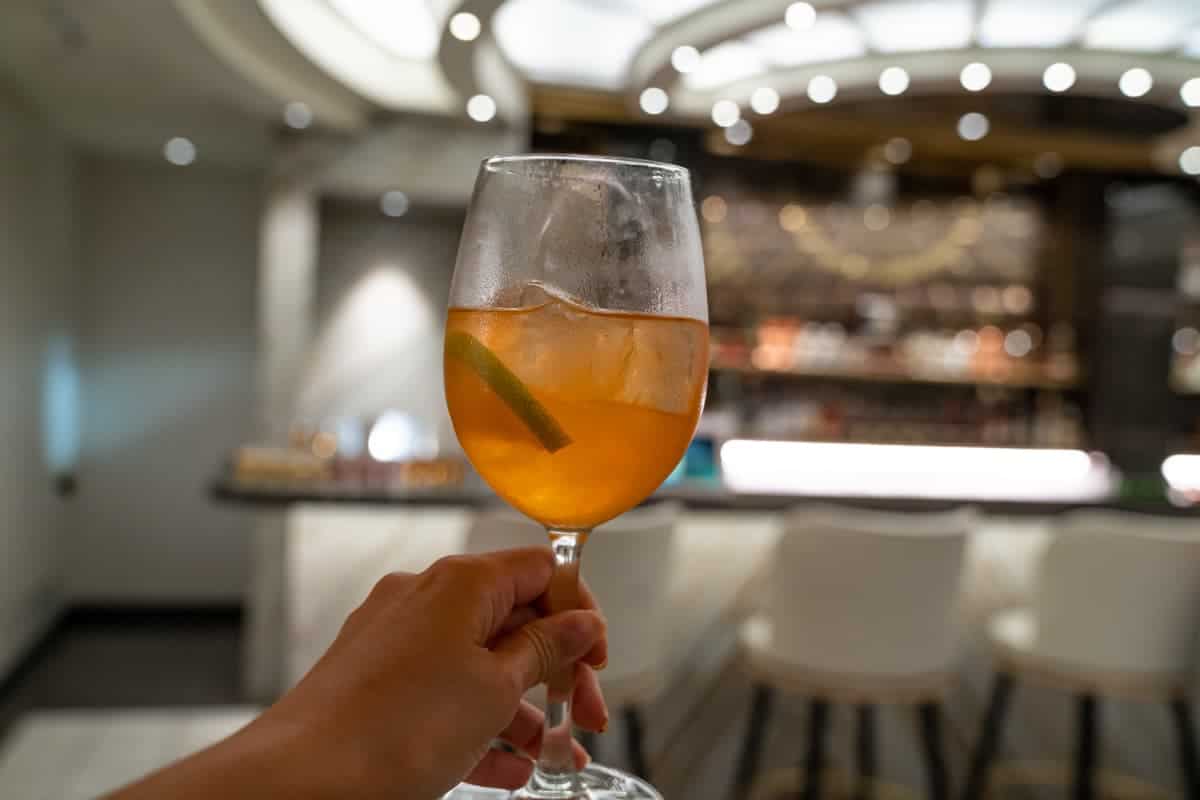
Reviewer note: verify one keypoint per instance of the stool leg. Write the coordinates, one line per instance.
(931, 742)
(818, 727)
(865, 753)
(1087, 711)
(760, 712)
(1186, 736)
(989, 737)
(634, 748)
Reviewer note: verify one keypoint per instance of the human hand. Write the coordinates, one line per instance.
(433, 667)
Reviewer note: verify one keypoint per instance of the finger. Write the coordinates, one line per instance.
(519, 618)
(598, 655)
(547, 646)
(582, 757)
(525, 730)
(501, 770)
(588, 707)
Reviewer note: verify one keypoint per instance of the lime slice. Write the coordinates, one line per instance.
(504, 382)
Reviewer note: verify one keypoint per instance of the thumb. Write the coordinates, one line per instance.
(549, 645)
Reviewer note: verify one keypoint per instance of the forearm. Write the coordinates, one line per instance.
(265, 759)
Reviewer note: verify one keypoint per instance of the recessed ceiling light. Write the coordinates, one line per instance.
(898, 150)
(465, 26)
(975, 77)
(394, 204)
(654, 100)
(180, 151)
(764, 100)
(822, 89)
(1136, 82)
(1048, 164)
(1059, 77)
(973, 126)
(1189, 93)
(297, 115)
(893, 81)
(739, 133)
(685, 58)
(800, 16)
(481, 108)
(1189, 160)
(725, 113)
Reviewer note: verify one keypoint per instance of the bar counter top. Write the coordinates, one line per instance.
(700, 497)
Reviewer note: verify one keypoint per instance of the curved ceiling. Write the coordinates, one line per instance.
(406, 54)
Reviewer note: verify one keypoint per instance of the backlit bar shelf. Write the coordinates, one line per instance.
(834, 469)
(1023, 378)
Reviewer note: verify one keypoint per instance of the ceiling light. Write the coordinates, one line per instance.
(685, 58)
(975, 77)
(465, 26)
(973, 126)
(394, 204)
(1189, 93)
(822, 89)
(897, 150)
(764, 100)
(713, 208)
(481, 108)
(297, 115)
(893, 81)
(725, 113)
(1136, 82)
(1189, 160)
(654, 100)
(1048, 164)
(180, 151)
(739, 133)
(1059, 77)
(800, 16)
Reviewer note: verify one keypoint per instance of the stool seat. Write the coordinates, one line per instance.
(1013, 635)
(878, 688)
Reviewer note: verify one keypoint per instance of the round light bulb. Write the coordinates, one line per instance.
(1059, 77)
(1189, 93)
(725, 113)
(973, 126)
(764, 100)
(685, 58)
(800, 16)
(739, 133)
(822, 89)
(654, 100)
(394, 204)
(1189, 160)
(1136, 82)
(481, 108)
(975, 77)
(465, 26)
(893, 81)
(180, 151)
(297, 115)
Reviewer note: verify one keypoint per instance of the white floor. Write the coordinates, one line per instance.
(80, 755)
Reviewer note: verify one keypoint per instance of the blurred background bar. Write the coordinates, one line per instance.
(953, 259)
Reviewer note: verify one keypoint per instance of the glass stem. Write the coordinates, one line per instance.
(555, 769)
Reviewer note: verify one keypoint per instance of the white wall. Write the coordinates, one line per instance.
(168, 258)
(382, 286)
(38, 421)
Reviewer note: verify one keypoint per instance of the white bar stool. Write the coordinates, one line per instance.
(861, 609)
(1116, 612)
(627, 564)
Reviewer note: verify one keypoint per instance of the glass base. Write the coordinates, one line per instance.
(598, 783)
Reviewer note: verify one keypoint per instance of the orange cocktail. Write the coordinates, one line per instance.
(574, 415)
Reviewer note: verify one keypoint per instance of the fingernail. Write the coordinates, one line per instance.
(601, 665)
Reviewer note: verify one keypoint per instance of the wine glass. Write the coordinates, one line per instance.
(576, 361)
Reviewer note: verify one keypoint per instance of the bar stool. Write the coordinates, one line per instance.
(627, 564)
(861, 610)
(1115, 613)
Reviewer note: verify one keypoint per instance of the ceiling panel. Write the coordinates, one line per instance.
(911, 25)
(724, 64)
(1034, 23)
(404, 28)
(571, 41)
(834, 37)
(1142, 25)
